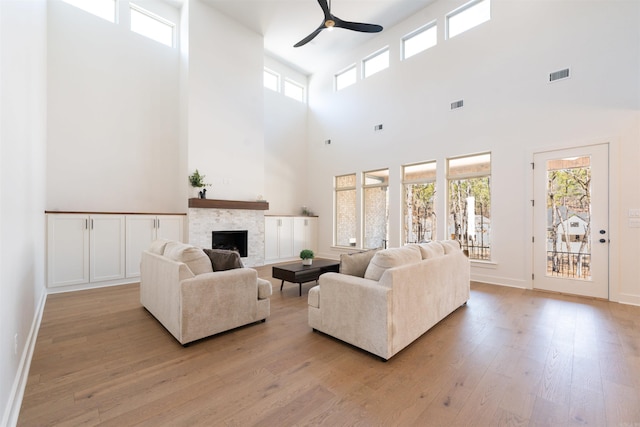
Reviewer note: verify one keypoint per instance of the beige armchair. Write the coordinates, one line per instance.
(180, 289)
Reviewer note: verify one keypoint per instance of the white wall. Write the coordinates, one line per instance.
(113, 112)
(225, 104)
(22, 185)
(500, 69)
(285, 134)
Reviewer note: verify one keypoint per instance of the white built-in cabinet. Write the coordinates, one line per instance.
(286, 236)
(144, 229)
(98, 249)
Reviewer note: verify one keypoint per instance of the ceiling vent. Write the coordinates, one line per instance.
(559, 75)
(457, 104)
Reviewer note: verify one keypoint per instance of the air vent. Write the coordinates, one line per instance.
(457, 104)
(559, 75)
(377, 127)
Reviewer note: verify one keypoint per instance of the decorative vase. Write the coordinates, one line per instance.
(307, 261)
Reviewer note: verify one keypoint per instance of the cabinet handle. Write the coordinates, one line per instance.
(86, 224)
(158, 224)
(92, 223)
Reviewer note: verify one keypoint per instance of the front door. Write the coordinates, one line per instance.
(571, 221)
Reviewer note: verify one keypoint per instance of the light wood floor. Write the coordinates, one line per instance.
(510, 357)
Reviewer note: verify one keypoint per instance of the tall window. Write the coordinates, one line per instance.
(470, 203)
(105, 9)
(271, 80)
(419, 183)
(421, 39)
(294, 90)
(468, 16)
(345, 223)
(152, 26)
(376, 208)
(376, 62)
(346, 77)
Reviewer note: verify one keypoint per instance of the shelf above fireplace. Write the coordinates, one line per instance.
(228, 204)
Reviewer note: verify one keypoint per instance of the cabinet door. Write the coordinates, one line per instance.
(312, 234)
(107, 235)
(141, 231)
(271, 226)
(170, 227)
(285, 238)
(67, 250)
(300, 234)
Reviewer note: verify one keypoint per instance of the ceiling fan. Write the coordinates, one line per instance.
(331, 21)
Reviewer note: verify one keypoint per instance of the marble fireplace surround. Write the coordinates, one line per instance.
(207, 215)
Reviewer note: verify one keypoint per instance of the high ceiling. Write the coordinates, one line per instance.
(285, 22)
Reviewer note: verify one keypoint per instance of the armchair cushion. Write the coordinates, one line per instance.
(431, 249)
(195, 258)
(223, 259)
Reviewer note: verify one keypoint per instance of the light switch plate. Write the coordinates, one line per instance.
(634, 222)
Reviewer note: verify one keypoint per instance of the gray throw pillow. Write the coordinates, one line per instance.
(222, 259)
(356, 264)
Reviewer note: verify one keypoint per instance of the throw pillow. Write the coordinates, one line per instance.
(157, 246)
(389, 258)
(450, 245)
(431, 250)
(195, 258)
(356, 264)
(222, 259)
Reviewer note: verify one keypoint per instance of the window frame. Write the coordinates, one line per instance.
(433, 25)
(343, 72)
(464, 8)
(467, 176)
(159, 19)
(366, 187)
(274, 74)
(373, 56)
(419, 181)
(303, 92)
(337, 190)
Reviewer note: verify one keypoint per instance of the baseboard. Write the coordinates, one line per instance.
(10, 418)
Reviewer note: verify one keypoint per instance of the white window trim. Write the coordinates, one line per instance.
(344, 71)
(370, 57)
(416, 32)
(299, 85)
(457, 11)
(157, 18)
(277, 76)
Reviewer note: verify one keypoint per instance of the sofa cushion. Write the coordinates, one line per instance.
(157, 246)
(450, 245)
(356, 264)
(195, 258)
(431, 250)
(223, 259)
(389, 258)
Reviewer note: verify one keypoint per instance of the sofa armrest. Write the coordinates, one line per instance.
(160, 290)
(355, 310)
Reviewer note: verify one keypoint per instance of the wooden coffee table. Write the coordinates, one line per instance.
(295, 272)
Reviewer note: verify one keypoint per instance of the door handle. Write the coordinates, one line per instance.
(603, 240)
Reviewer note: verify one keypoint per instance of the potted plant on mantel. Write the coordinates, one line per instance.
(197, 181)
(307, 256)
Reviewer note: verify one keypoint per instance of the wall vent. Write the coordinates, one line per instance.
(559, 75)
(377, 127)
(457, 104)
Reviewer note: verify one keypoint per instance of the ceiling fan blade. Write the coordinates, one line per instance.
(325, 8)
(310, 36)
(357, 26)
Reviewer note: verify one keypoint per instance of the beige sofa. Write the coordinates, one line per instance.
(179, 288)
(404, 292)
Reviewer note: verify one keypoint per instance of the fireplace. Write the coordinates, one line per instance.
(234, 240)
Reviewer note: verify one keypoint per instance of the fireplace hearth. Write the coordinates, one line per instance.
(233, 240)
